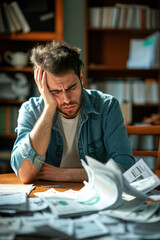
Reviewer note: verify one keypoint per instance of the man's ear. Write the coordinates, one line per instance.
(81, 77)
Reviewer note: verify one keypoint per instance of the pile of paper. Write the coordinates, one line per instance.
(109, 206)
(107, 188)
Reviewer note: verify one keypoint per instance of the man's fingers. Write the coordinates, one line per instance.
(35, 74)
(38, 77)
(44, 80)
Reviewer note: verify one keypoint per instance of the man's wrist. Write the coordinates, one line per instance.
(39, 161)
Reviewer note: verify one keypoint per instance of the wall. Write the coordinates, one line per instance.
(74, 19)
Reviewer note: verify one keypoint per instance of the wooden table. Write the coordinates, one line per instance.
(11, 178)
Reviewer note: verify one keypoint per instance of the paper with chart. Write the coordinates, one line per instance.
(105, 189)
(141, 177)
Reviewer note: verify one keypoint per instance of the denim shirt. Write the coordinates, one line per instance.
(102, 134)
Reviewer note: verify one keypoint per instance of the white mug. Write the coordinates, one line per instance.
(16, 59)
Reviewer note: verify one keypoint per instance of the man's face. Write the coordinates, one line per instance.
(67, 90)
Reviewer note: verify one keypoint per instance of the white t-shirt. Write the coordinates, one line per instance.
(69, 128)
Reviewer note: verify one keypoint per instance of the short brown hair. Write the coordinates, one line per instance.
(57, 57)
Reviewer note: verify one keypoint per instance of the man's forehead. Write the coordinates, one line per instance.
(65, 80)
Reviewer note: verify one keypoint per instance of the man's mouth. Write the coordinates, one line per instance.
(68, 108)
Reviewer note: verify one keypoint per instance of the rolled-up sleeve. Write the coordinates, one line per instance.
(22, 148)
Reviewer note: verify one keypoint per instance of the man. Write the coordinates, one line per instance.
(67, 122)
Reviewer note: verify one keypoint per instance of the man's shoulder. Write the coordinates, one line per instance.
(98, 97)
(97, 102)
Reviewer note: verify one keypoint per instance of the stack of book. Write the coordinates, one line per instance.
(25, 16)
(12, 19)
(129, 91)
(124, 16)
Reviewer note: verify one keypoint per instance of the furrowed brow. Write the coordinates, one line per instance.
(71, 86)
(55, 91)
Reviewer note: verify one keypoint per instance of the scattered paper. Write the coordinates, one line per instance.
(113, 208)
(16, 188)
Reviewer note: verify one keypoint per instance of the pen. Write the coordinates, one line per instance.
(53, 186)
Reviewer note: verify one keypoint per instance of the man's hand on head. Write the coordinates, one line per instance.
(41, 81)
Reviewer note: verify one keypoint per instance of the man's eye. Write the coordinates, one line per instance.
(55, 92)
(72, 88)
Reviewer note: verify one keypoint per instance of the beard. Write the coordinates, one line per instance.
(72, 113)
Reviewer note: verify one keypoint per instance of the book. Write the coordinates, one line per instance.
(2, 27)
(121, 17)
(130, 18)
(11, 23)
(20, 16)
(126, 109)
(139, 94)
(115, 87)
(14, 19)
(5, 20)
(95, 15)
(106, 17)
(115, 17)
(152, 95)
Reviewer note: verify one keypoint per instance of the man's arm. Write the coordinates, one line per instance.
(39, 137)
(51, 173)
(40, 134)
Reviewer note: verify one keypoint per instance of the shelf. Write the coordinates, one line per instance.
(107, 50)
(99, 67)
(11, 101)
(123, 30)
(146, 105)
(31, 36)
(42, 36)
(112, 71)
(13, 69)
(24, 42)
(8, 136)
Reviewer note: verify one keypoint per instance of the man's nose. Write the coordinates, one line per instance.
(66, 97)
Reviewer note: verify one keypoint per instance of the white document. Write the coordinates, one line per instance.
(138, 171)
(12, 199)
(104, 190)
(9, 225)
(142, 52)
(89, 227)
(36, 204)
(139, 213)
(16, 188)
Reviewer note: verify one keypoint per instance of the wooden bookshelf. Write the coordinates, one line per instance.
(107, 51)
(24, 42)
